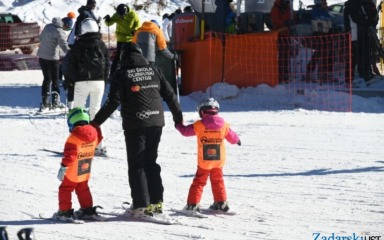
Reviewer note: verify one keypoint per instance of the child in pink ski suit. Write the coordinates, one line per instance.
(211, 131)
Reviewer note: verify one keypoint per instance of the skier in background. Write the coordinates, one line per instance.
(127, 22)
(167, 27)
(364, 14)
(281, 21)
(211, 131)
(52, 39)
(151, 39)
(87, 11)
(75, 167)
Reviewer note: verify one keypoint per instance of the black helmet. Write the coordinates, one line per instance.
(122, 9)
(130, 48)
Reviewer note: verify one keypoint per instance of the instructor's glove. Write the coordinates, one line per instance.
(239, 143)
(61, 173)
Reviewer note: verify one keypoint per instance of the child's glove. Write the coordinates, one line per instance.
(61, 173)
(239, 143)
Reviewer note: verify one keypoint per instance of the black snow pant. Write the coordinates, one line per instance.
(143, 171)
(50, 69)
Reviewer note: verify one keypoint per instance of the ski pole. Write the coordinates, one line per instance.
(177, 76)
(109, 39)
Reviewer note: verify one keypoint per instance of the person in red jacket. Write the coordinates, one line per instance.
(75, 167)
(281, 21)
(211, 131)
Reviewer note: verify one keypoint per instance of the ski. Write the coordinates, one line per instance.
(75, 221)
(158, 218)
(374, 80)
(52, 151)
(217, 212)
(189, 213)
(50, 112)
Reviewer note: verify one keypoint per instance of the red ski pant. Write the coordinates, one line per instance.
(82, 191)
(217, 184)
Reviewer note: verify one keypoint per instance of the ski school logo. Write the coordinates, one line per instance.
(135, 88)
(146, 114)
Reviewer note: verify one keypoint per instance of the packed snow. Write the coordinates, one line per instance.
(298, 174)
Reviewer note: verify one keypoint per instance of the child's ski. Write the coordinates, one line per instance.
(69, 220)
(216, 212)
(189, 213)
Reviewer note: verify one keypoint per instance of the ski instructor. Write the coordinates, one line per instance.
(140, 89)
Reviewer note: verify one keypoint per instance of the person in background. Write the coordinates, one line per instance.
(127, 22)
(75, 167)
(151, 39)
(167, 27)
(281, 19)
(52, 39)
(188, 9)
(350, 27)
(322, 56)
(87, 69)
(87, 11)
(143, 120)
(210, 131)
(365, 15)
(225, 17)
(68, 88)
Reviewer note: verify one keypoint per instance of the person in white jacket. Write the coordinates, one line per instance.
(167, 27)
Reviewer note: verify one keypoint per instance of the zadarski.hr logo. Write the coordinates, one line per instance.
(135, 88)
(352, 236)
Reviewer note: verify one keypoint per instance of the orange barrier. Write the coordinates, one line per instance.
(241, 60)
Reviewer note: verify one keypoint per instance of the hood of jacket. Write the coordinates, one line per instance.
(149, 27)
(57, 22)
(86, 133)
(89, 39)
(134, 59)
(213, 121)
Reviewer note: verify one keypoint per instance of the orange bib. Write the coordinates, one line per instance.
(210, 146)
(80, 169)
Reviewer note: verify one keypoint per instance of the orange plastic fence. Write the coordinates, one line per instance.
(315, 65)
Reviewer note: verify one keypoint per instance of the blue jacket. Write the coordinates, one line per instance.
(319, 13)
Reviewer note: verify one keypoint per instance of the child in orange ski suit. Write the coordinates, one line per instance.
(76, 164)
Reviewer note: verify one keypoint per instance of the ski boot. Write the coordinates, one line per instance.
(89, 214)
(65, 216)
(221, 206)
(56, 104)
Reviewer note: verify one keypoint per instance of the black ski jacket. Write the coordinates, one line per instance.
(140, 89)
(74, 57)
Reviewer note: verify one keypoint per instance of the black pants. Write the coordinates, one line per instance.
(363, 53)
(143, 171)
(50, 70)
